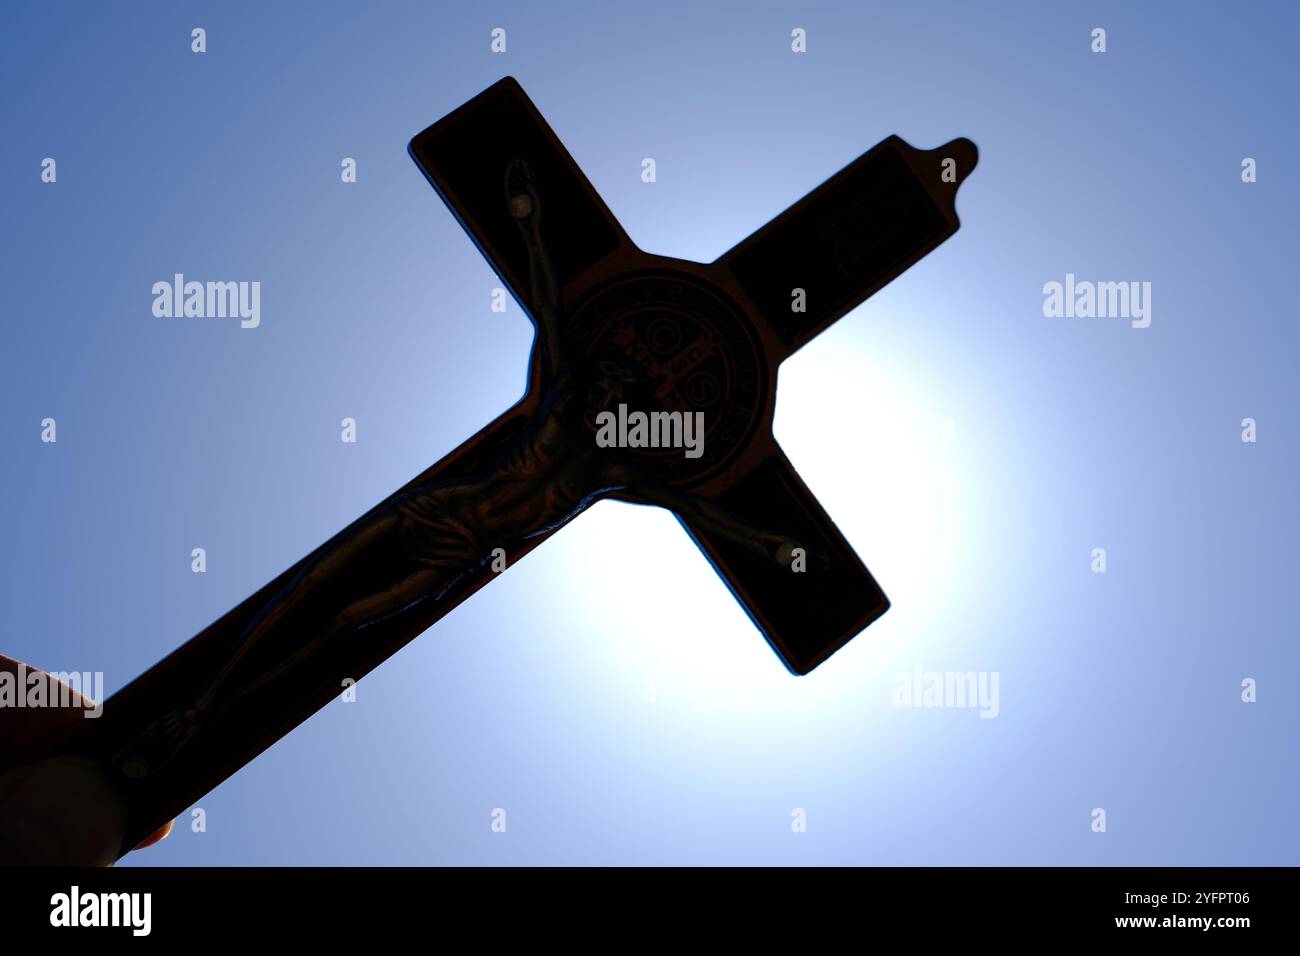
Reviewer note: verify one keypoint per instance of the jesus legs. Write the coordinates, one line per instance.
(325, 589)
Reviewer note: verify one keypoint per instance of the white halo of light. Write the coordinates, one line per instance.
(878, 455)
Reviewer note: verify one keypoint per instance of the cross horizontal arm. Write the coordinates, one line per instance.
(807, 605)
(463, 155)
(851, 236)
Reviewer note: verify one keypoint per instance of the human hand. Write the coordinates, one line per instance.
(58, 811)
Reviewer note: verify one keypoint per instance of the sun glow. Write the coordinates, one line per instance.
(880, 459)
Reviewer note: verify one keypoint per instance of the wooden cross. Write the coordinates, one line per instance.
(616, 328)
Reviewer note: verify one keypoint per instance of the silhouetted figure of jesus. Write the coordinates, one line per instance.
(435, 534)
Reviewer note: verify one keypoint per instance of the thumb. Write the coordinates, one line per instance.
(61, 811)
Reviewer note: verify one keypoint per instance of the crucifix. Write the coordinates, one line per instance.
(617, 329)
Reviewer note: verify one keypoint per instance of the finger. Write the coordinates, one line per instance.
(160, 834)
(63, 811)
(26, 730)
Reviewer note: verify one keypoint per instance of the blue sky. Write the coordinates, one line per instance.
(973, 450)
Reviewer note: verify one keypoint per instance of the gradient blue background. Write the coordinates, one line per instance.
(972, 450)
